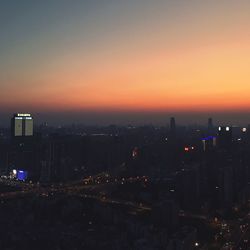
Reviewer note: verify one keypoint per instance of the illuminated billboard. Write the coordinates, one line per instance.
(22, 175)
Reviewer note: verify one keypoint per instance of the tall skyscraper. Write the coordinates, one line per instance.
(172, 125)
(22, 125)
(210, 125)
(172, 131)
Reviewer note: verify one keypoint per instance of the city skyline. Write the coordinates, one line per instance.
(125, 58)
(135, 118)
(125, 124)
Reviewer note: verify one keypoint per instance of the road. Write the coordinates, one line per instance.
(77, 189)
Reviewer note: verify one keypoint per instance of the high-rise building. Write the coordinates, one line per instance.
(210, 125)
(209, 143)
(225, 136)
(22, 125)
(172, 125)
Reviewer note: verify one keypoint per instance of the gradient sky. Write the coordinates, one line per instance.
(122, 56)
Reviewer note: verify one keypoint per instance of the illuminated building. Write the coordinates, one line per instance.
(225, 136)
(208, 142)
(21, 125)
(24, 151)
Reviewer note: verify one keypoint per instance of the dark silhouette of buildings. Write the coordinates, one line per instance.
(210, 125)
(145, 189)
(172, 125)
(225, 137)
(172, 131)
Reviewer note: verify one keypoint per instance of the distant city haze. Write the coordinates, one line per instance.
(122, 62)
(132, 118)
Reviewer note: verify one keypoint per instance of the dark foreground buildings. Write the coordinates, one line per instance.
(123, 187)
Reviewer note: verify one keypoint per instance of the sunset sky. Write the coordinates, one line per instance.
(125, 56)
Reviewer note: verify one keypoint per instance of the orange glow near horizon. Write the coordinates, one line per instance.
(200, 79)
